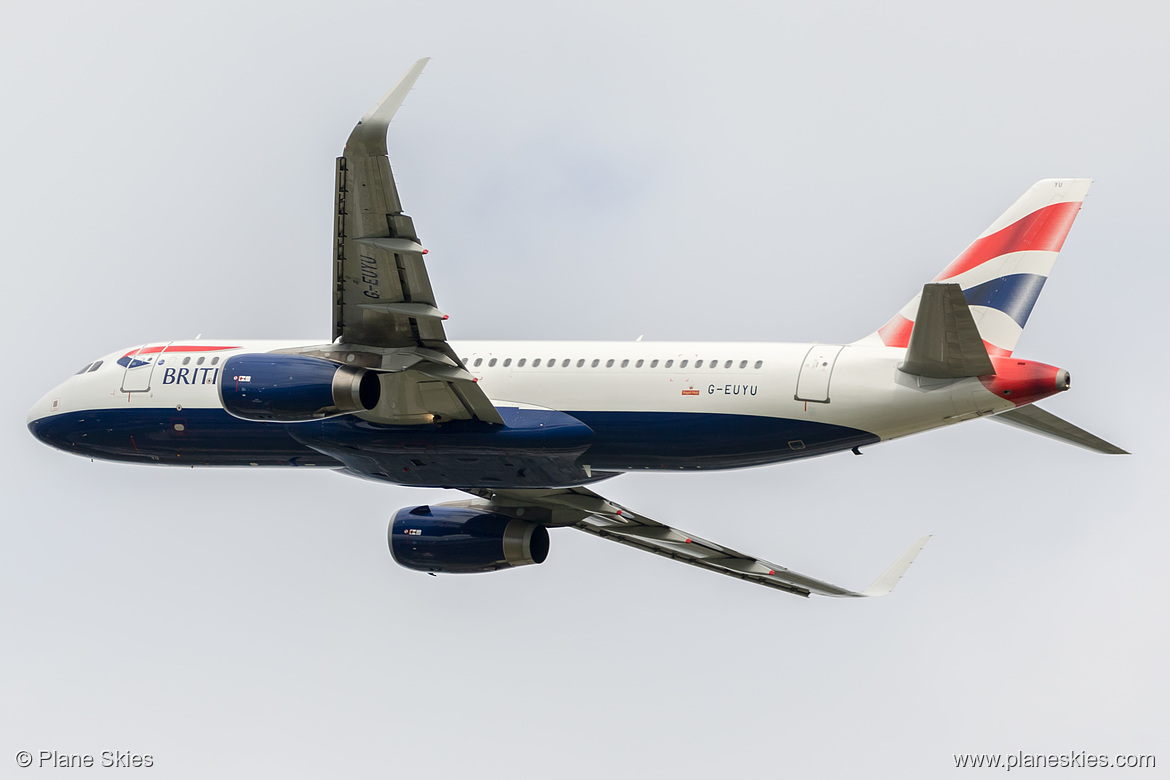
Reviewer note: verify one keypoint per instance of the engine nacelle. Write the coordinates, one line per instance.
(460, 540)
(294, 388)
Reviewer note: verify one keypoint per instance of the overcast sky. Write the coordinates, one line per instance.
(730, 171)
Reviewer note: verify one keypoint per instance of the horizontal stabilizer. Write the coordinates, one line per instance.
(1036, 420)
(945, 342)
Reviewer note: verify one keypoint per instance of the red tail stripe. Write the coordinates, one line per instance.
(1043, 230)
(896, 333)
(994, 351)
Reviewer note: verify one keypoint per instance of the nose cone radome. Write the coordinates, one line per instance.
(45, 421)
(41, 409)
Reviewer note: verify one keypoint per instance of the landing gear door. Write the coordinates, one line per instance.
(813, 383)
(140, 367)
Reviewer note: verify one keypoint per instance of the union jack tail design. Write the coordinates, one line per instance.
(1004, 269)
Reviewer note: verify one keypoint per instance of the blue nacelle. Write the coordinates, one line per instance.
(294, 388)
(461, 540)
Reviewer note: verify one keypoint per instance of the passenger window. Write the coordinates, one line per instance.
(199, 362)
(743, 364)
(669, 363)
(698, 364)
(552, 362)
(520, 363)
(491, 362)
(186, 360)
(639, 364)
(507, 362)
(95, 366)
(654, 363)
(535, 363)
(759, 363)
(727, 364)
(609, 363)
(595, 362)
(215, 360)
(565, 363)
(478, 362)
(625, 363)
(683, 364)
(580, 362)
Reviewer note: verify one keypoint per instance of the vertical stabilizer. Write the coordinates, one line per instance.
(1003, 270)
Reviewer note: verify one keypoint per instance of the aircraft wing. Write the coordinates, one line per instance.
(384, 309)
(587, 511)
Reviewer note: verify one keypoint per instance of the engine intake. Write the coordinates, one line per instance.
(461, 540)
(294, 388)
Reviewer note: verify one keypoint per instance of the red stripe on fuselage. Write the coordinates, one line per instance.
(1043, 230)
(160, 347)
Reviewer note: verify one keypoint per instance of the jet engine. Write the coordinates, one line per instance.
(294, 388)
(460, 540)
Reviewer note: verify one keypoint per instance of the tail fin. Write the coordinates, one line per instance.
(1004, 269)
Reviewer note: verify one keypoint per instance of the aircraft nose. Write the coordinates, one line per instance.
(45, 421)
(41, 409)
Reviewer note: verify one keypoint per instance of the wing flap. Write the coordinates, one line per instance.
(387, 298)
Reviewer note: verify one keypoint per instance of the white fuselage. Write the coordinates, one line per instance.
(637, 390)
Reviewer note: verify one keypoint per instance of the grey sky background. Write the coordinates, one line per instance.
(605, 170)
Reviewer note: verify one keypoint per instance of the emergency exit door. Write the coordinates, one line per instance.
(813, 382)
(140, 367)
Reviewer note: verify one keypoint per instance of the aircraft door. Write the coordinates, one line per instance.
(140, 367)
(813, 382)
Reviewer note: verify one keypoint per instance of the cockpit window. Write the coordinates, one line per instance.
(95, 366)
(84, 368)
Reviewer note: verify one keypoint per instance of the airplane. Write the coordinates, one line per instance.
(524, 427)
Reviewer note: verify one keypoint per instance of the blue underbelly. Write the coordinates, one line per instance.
(536, 448)
(191, 437)
(681, 440)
